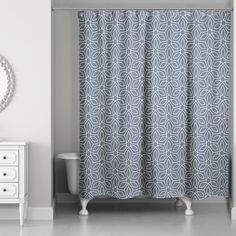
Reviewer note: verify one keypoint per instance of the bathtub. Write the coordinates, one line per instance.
(72, 163)
(72, 171)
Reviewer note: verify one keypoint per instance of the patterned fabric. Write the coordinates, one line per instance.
(154, 103)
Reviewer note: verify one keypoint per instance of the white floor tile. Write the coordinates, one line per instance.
(127, 219)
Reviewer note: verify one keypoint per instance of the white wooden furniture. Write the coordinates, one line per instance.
(14, 175)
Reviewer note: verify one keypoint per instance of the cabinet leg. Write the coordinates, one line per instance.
(84, 203)
(21, 213)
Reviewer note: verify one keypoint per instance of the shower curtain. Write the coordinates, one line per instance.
(154, 105)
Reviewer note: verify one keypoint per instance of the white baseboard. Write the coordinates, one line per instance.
(233, 213)
(40, 213)
(69, 198)
(11, 212)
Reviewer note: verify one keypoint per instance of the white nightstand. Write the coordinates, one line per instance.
(14, 175)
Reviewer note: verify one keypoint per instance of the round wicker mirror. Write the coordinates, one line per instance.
(7, 83)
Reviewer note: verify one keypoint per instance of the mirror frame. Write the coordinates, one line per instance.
(6, 98)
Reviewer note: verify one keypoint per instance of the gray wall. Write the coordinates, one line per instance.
(66, 90)
(144, 3)
(66, 66)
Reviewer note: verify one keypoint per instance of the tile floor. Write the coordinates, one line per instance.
(127, 219)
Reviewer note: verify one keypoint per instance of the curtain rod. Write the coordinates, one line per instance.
(95, 9)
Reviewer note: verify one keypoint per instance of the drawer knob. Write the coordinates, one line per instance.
(4, 157)
(4, 174)
(4, 190)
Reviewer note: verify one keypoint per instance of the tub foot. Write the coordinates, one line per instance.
(84, 203)
(188, 203)
(178, 202)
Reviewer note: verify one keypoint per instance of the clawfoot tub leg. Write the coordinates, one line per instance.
(178, 202)
(84, 203)
(188, 203)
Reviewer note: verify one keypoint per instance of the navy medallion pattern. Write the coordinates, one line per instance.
(154, 103)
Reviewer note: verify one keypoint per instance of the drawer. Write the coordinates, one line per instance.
(8, 190)
(8, 174)
(8, 157)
